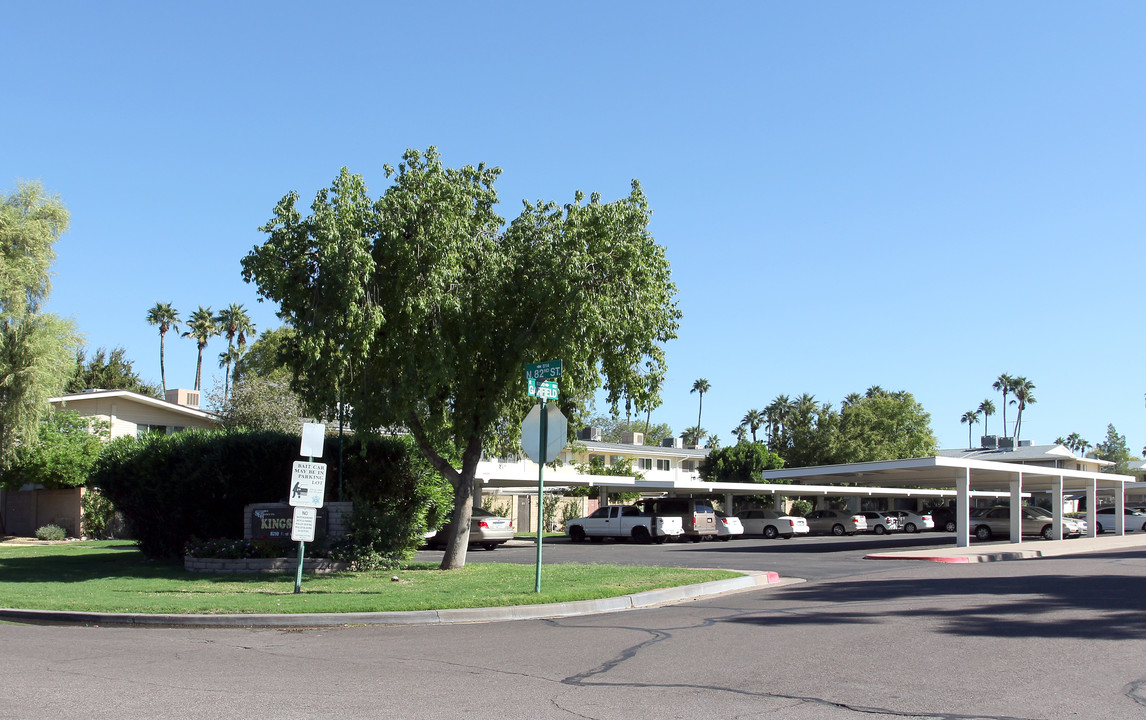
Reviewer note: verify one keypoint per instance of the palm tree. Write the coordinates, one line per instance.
(988, 409)
(740, 432)
(875, 391)
(1023, 390)
(851, 399)
(1004, 384)
(693, 435)
(167, 318)
(753, 419)
(201, 327)
(970, 417)
(700, 386)
(233, 322)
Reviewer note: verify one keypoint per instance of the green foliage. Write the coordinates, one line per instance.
(259, 403)
(800, 508)
(495, 505)
(620, 467)
(36, 348)
(98, 515)
(613, 428)
(61, 456)
(108, 372)
(51, 532)
(268, 357)
(170, 488)
(742, 462)
(262, 548)
(421, 308)
(201, 327)
(1114, 449)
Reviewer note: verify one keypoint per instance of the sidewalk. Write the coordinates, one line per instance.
(1028, 549)
(651, 598)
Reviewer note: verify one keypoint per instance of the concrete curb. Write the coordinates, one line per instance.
(650, 598)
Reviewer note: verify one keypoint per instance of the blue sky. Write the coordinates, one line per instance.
(919, 196)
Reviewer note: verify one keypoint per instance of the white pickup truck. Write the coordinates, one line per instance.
(623, 521)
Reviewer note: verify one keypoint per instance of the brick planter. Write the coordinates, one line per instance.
(262, 565)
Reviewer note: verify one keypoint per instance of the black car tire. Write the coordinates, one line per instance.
(661, 539)
(770, 532)
(577, 533)
(787, 537)
(641, 535)
(490, 546)
(598, 538)
(838, 530)
(1098, 527)
(1047, 532)
(949, 526)
(983, 532)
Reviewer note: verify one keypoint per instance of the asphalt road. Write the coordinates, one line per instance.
(1050, 638)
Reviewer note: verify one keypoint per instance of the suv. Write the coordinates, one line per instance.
(697, 516)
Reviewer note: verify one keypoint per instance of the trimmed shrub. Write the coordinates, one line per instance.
(51, 532)
(171, 488)
(98, 519)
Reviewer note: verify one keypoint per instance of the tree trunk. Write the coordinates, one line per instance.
(162, 372)
(459, 541)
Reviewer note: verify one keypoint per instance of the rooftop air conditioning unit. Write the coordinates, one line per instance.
(990, 442)
(1024, 443)
(592, 434)
(672, 442)
(633, 438)
(1006, 443)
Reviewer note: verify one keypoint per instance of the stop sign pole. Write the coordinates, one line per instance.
(547, 372)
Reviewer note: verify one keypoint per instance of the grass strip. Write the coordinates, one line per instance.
(113, 576)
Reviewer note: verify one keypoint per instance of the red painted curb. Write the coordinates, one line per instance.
(936, 558)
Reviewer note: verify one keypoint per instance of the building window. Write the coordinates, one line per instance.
(688, 465)
(141, 430)
(596, 458)
(644, 463)
(614, 459)
(664, 464)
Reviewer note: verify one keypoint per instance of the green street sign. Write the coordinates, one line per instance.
(545, 390)
(548, 370)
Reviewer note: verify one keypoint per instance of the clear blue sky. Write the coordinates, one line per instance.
(914, 195)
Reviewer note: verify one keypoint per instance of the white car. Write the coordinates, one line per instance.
(1104, 519)
(910, 521)
(772, 523)
(728, 526)
(881, 522)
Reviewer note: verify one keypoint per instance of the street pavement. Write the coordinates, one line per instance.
(1059, 637)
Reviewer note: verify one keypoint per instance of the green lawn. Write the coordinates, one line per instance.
(112, 576)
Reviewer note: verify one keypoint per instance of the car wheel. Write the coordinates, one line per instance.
(490, 546)
(641, 535)
(725, 538)
(787, 537)
(983, 532)
(910, 528)
(838, 530)
(949, 526)
(1098, 527)
(1048, 532)
(577, 533)
(880, 530)
(696, 538)
(770, 532)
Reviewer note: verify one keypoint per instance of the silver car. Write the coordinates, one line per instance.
(1035, 521)
(836, 522)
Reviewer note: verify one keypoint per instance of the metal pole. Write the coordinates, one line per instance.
(542, 443)
(301, 549)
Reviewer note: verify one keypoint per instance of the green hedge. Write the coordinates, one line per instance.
(171, 488)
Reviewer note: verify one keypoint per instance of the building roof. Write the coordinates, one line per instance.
(1022, 454)
(652, 450)
(135, 397)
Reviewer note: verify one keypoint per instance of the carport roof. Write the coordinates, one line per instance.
(943, 472)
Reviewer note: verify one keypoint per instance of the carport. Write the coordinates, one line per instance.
(967, 478)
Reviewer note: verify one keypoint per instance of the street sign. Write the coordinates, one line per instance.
(312, 436)
(305, 520)
(307, 484)
(556, 435)
(546, 390)
(548, 370)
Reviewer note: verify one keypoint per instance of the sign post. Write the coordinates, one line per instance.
(547, 372)
(307, 489)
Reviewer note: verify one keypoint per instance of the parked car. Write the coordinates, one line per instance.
(1035, 521)
(623, 521)
(880, 522)
(1104, 519)
(772, 523)
(697, 516)
(910, 521)
(835, 522)
(486, 529)
(728, 526)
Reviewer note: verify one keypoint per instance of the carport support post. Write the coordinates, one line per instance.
(1016, 516)
(963, 509)
(1119, 510)
(1056, 507)
(1091, 500)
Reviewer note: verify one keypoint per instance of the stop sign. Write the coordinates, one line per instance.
(556, 433)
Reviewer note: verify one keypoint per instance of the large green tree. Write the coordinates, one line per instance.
(1114, 448)
(423, 307)
(885, 426)
(613, 429)
(37, 349)
(62, 454)
(108, 371)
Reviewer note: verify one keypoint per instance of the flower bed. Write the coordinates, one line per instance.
(262, 565)
(223, 555)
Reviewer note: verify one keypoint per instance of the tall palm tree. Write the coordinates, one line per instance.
(233, 322)
(753, 419)
(1024, 392)
(988, 409)
(167, 318)
(851, 399)
(970, 417)
(740, 432)
(1003, 385)
(201, 327)
(700, 386)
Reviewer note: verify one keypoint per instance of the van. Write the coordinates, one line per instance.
(697, 516)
